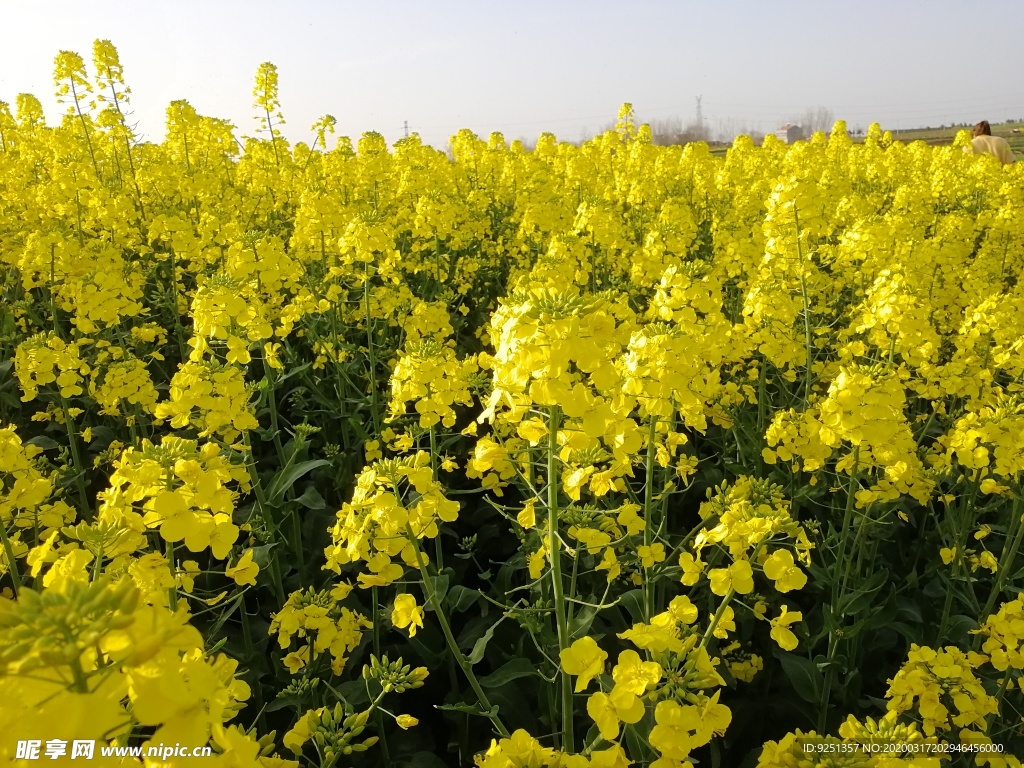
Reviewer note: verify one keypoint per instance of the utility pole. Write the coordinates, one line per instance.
(700, 117)
(407, 129)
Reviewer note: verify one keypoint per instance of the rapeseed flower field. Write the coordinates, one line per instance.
(336, 454)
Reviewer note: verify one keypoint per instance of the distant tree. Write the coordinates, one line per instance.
(666, 131)
(673, 131)
(695, 131)
(585, 135)
(815, 119)
(728, 128)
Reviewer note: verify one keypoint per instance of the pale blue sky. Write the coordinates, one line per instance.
(527, 67)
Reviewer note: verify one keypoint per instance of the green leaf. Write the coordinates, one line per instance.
(582, 620)
(229, 608)
(880, 616)
(909, 632)
(909, 609)
(283, 703)
(440, 585)
(101, 435)
(311, 499)
(633, 602)
(828, 621)
(292, 372)
(806, 678)
(286, 478)
(480, 645)
(935, 589)
(959, 626)
(469, 709)
(503, 583)
(863, 598)
(461, 598)
(46, 443)
(267, 434)
(261, 555)
(507, 672)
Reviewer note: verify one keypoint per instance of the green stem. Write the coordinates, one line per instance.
(273, 137)
(300, 555)
(85, 129)
(272, 403)
(959, 561)
(179, 331)
(81, 686)
(375, 601)
(860, 526)
(648, 523)
(370, 354)
(851, 496)
(555, 555)
(717, 618)
(762, 407)
(172, 591)
(807, 308)
(838, 589)
(12, 566)
(268, 517)
(250, 655)
(53, 286)
(78, 216)
(826, 693)
(76, 458)
(293, 513)
(438, 550)
(439, 559)
(549, 699)
(1006, 559)
(128, 149)
(453, 646)
(571, 601)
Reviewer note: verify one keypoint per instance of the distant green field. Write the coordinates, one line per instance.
(940, 136)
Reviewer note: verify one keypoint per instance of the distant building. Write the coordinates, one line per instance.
(789, 133)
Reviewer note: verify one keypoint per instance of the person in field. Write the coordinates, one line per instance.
(984, 143)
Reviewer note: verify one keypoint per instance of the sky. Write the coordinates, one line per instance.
(563, 66)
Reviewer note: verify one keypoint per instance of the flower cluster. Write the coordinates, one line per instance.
(1004, 636)
(430, 376)
(178, 488)
(321, 624)
(942, 688)
(92, 659)
(396, 503)
(211, 396)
